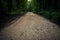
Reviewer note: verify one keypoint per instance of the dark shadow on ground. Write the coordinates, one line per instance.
(7, 18)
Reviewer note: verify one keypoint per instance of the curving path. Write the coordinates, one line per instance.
(31, 27)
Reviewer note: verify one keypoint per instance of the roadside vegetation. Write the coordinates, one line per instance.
(50, 9)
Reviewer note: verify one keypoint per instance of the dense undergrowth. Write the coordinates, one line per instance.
(53, 16)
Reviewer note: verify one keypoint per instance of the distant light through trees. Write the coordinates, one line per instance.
(29, 0)
(28, 3)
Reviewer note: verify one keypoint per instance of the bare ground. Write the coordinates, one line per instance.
(31, 27)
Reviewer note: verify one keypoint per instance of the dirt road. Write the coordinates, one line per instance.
(31, 27)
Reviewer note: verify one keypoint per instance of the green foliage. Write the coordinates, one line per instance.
(15, 6)
(51, 15)
(47, 8)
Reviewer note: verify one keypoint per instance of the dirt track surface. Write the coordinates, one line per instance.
(31, 27)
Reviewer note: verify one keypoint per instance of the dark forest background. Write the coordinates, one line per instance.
(10, 9)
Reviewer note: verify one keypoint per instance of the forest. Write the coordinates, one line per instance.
(49, 9)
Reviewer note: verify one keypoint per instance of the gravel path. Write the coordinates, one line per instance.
(31, 27)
